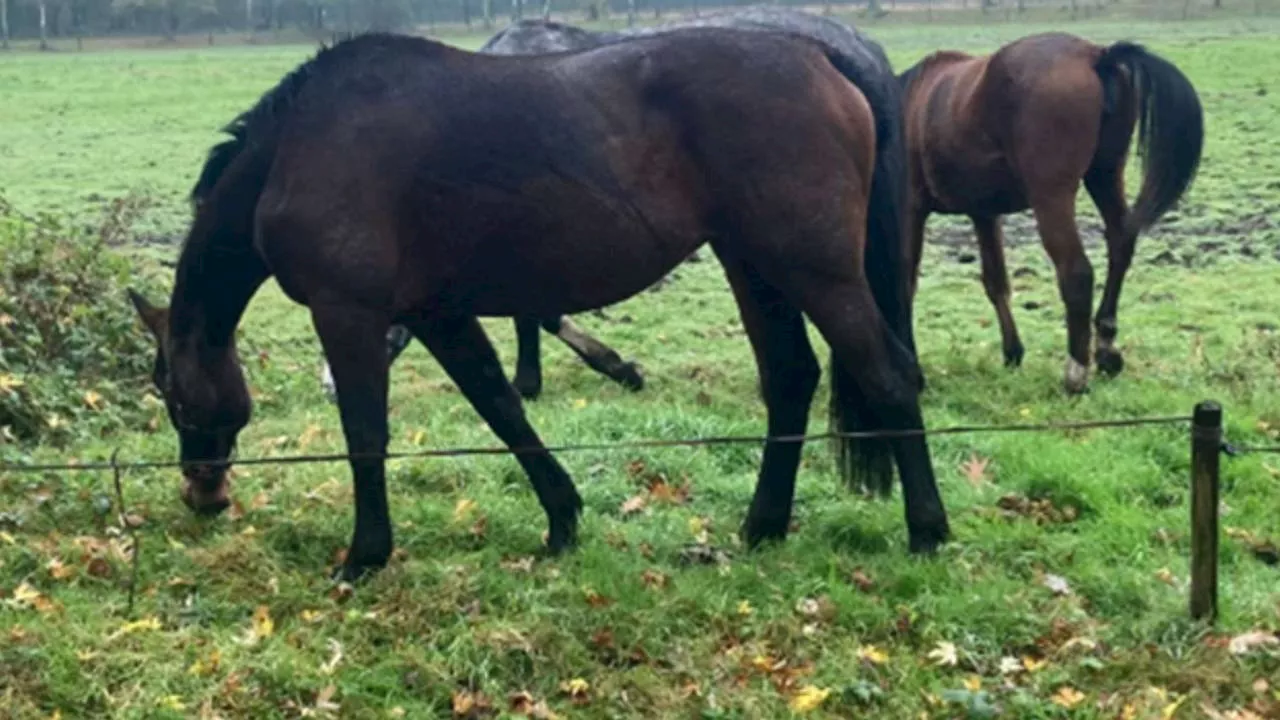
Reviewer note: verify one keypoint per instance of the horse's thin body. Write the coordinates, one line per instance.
(1023, 128)
(396, 180)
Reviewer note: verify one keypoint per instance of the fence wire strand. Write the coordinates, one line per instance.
(10, 467)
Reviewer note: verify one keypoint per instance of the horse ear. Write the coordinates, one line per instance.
(155, 318)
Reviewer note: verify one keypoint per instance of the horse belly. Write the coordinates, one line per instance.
(974, 186)
(594, 255)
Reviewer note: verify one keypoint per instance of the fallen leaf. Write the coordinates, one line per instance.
(335, 657)
(93, 400)
(973, 683)
(744, 608)
(632, 505)
(975, 470)
(577, 689)
(873, 654)
(944, 654)
(1248, 642)
(579, 404)
(58, 570)
(99, 567)
(324, 700)
(172, 702)
(862, 581)
(595, 599)
(1166, 577)
(1067, 697)
(466, 704)
(653, 579)
(206, 666)
(1057, 584)
(262, 625)
(463, 509)
(311, 616)
(145, 624)
(808, 698)
(1010, 666)
(1032, 664)
(7, 538)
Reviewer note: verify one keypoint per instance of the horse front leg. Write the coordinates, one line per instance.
(355, 344)
(528, 377)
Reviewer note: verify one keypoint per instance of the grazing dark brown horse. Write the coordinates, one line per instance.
(393, 179)
(1021, 128)
(536, 37)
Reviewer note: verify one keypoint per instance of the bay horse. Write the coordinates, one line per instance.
(536, 37)
(393, 179)
(1021, 128)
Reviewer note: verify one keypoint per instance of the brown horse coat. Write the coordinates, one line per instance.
(1022, 128)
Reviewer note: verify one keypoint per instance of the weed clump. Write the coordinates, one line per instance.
(73, 359)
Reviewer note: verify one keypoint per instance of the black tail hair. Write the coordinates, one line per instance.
(1170, 127)
(869, 463)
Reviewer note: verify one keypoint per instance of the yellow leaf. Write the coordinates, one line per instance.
(263, 625)
(873, 654)
(93, 400)
(1032, 664)
(973, 683)
(311, 616)
(575, 688)
(9, 383)
(1067, 697)
(579, 404)
(172, 702)
(86, 655)
(1129, 712)
(207, 666)
(58, 570)
(7, 538)
(1172, 708)
(57, 715)
(463, 509)
(744, 608)
(419, 437)
(808, 699)
(147, 623)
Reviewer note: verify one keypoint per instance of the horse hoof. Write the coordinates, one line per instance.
(757, 531)
(529, 390)
(927, 539)
(1013, 356)
(1076, 378)
(356, 572)
(1110, 361)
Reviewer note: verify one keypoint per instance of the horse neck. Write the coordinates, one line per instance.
(218, 273)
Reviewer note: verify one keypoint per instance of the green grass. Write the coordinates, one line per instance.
(463, 608)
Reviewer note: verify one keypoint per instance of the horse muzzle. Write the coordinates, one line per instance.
(205, 490)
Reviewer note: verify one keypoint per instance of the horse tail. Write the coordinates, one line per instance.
(868, 464)
(1170, 126)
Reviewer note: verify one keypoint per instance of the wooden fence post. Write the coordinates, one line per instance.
(1206, 448)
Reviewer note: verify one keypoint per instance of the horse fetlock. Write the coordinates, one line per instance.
(529, 388)
(1076, 377)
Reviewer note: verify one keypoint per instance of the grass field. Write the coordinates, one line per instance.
(1063, 594)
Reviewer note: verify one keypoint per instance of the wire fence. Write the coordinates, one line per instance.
(454, 452)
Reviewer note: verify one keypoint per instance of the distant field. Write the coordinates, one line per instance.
(622, 627)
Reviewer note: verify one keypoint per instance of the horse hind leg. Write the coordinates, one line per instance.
(1106, 187)
(465, 353)
(872, 358)
(789, 375)
(1055, 220)
(995, 278)
(598, 356)
(528, 377)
